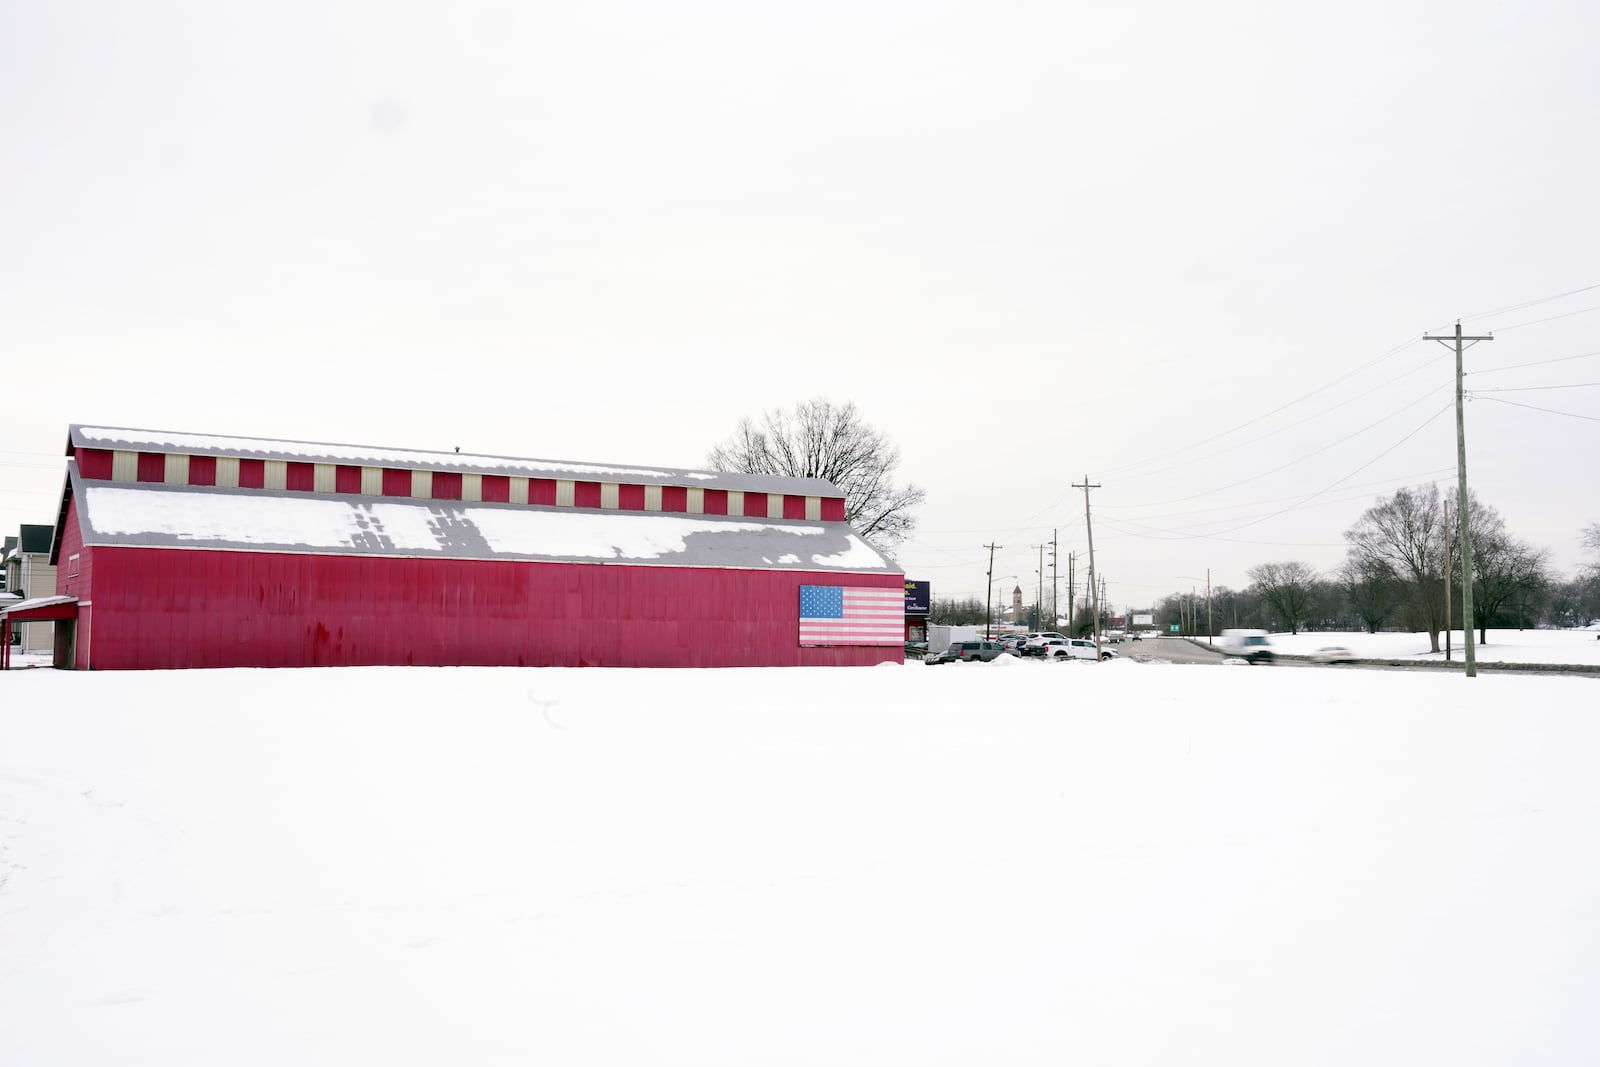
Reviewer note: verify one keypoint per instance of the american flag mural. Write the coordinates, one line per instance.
(841, 615)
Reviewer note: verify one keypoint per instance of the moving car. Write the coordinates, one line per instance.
(1250, 645)
(1334, 654)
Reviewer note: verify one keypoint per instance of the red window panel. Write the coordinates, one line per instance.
(152, 466)
(755, 504)
(396, 482)
(446, 485)
(94, 463)
(794, 507)
(630, 497)
(542, 491)
(202, 470)
(586, 494)
(252, 473)
(674, 498)
(496, 489)
(301, 477)
(347, 479)
(716, 502)
(833, 509)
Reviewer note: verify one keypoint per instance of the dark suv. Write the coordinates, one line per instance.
(966, 651)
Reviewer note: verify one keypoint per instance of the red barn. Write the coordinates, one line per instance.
(183, 550)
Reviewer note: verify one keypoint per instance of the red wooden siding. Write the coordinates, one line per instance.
(396, 482)
(347, 479)
(755, 504)
(300, 477)
(674, 498)
(496, 489)
(158, 608)
(833, 509)
(94, 464)
(630, 497)
(252, 473)
(716, 502)
(202, 470)
(794, 507)
(152, 466)
(542, 491)
(79, 585)
(585, 494)
(446, 485)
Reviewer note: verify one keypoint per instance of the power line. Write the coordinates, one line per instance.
(1385, 384)
(1551, 318)
(1292, 462)
(1536, 363)
(1282, 407)
(1400, 478)
(1527, 304)
(1547, 411)
(1536, 388)
(1331, 485)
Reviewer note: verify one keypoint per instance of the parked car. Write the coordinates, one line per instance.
(1035, 643)
(1012, 643)
(1077, 648)
(1249, 645)
(967, 651)
(1334, 654)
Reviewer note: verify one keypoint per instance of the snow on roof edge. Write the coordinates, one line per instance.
(132, 439)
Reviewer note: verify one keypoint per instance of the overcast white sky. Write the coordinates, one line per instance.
(1032, 242)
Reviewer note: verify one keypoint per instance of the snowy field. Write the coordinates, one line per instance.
(1007, 863)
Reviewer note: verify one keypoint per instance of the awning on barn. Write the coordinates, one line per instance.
(39, 609)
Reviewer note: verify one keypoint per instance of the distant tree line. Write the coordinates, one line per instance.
(1394, 577)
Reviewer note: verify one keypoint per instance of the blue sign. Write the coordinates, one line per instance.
(918, 597)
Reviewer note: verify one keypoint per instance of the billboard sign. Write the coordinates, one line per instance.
(918, 597)
(1144, 620)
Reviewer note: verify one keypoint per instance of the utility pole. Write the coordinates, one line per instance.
(1072, 590)
(1445, 504)
(988, 592)
(1055, 578)
(1039, 613)
(1460, 343)
(1208, 605)
(1093, 592)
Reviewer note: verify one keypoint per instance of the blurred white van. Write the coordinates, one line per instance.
(1251, 645)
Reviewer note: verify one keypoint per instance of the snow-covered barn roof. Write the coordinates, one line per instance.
(154, 515)
(123, 439)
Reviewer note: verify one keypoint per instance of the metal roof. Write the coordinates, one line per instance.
(131, 440)
(155, 515)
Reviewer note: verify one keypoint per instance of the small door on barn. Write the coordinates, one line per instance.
(66, 643)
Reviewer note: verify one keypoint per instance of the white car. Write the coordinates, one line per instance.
(1037, 642)
(1334, 654)
(1076, 648)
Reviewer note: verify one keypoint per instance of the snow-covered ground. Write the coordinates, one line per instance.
(1005, 863)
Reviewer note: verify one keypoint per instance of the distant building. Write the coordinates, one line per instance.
(29, 574)
(182, 550)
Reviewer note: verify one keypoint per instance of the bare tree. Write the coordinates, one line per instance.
(1370, 591)
(1506, 571)
(822, 440)
(1590, 536)
(1403, 537)
(1287, 588)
